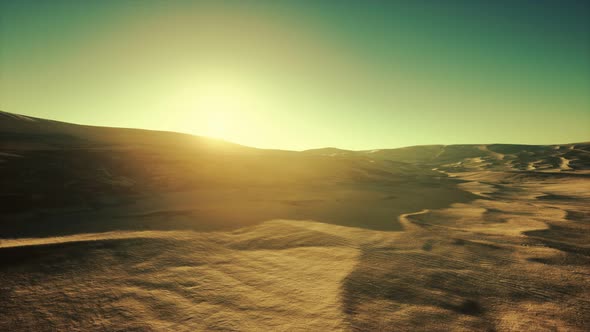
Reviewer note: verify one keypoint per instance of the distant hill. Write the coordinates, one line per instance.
(104, 175)
(511, 157)
(25, 132)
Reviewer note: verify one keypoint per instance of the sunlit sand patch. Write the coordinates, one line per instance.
(353, 235)
(564, 164)
(292, 289)
(405, 221)
(477, 188)
(196, 281)
(531, 165)
(498, 156)
(20, 242)
(574, 188)
(512, 227)
(475, 163)
(543, 316)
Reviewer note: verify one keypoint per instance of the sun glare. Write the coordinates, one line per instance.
(219, 109)
(219, 124)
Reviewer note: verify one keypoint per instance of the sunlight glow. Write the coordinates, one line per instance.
(218, 107)
(220, 110)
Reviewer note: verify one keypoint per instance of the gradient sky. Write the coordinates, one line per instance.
(305, 74)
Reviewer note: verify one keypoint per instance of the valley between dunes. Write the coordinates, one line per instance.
(151, 231)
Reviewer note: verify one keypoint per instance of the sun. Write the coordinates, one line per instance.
(219, 124)
(219, 109)
(221, 112)
(219, 106)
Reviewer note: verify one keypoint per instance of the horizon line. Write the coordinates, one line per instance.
(283, 149)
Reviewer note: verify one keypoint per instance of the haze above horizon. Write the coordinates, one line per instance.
(300, 74)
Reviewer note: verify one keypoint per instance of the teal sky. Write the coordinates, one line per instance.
(305, 74)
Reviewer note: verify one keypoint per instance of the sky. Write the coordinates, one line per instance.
(305, 74)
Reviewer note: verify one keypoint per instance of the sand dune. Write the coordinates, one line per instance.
(177, 281)
(106, 229)
(497, 263)
(565, 164)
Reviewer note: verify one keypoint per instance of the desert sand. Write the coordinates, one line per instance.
(107, 229)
